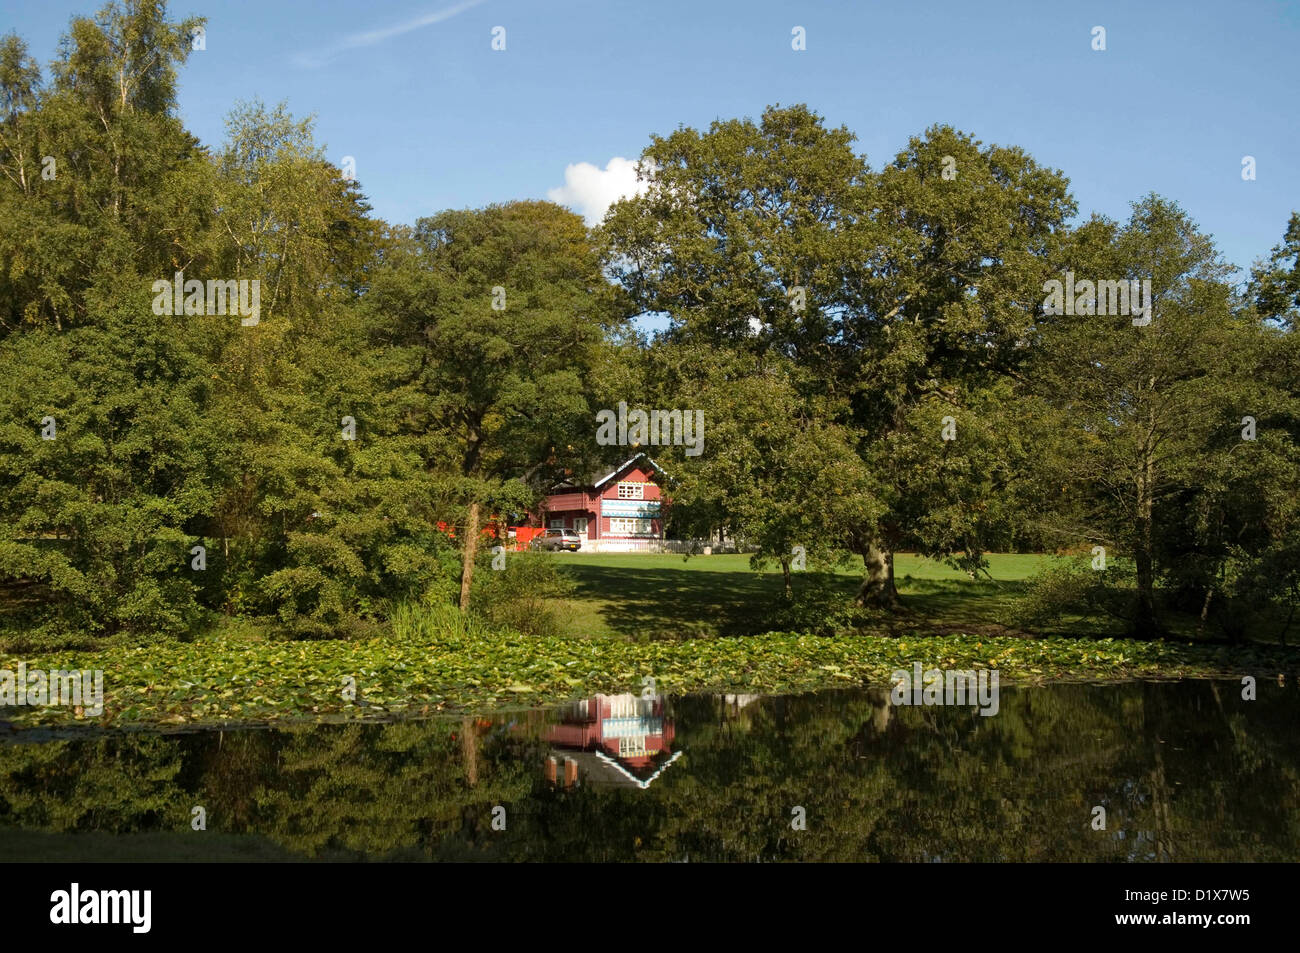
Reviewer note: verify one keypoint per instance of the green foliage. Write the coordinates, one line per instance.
(870, 296)
(1275, 281)
(776, 472)
(524, 596)
(1077, 590)
(180, 430)
(817, 606)
(486, 325)
(1137, 432)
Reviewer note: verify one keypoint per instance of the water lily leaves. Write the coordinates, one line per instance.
(227, 678)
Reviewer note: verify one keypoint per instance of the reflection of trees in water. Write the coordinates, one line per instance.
(323, 790)
(402, 787)
(1185, 772)
(116, 784)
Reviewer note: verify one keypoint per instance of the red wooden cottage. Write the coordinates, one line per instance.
(624, 506)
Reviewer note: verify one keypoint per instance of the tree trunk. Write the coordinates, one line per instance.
(1145, 625)
(878, 587)
(469, 749)
(1205, 611)
(785, 571)
(880, 709)
(469, 551)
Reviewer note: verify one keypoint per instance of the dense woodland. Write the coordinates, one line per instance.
(826, 315)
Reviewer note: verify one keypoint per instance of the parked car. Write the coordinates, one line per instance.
(558, 539)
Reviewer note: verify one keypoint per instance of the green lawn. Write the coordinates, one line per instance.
(656, 596)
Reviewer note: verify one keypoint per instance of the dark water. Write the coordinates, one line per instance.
(1184, 770)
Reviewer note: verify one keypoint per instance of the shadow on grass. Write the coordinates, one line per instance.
(660, 602)
(670, 603)
(962, 601)
(675, 603)
(663, 602)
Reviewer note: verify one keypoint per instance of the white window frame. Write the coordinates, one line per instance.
(634, 490)
(632, 746)
(556, 523)
(630, 526)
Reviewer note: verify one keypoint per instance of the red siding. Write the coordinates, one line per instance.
(575, 500)
(634, 475)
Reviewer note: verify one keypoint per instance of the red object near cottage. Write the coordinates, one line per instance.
(523, 534)
(517, 537)
(489, 529)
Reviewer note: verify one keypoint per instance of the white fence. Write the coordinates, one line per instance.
(697, 546)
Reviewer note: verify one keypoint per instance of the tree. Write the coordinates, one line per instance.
(99, 472)
(313, 524)
(117, 197)
(176, 430)
(1140, 427)
(777, 472)
(1275, 281)
(887, 291)
(492, 321)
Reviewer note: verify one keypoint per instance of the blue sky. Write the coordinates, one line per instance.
(435, 118)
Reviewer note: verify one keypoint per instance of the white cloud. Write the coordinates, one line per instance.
(371, 37)
(590, 191)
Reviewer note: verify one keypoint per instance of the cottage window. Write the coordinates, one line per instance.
(630, 527)
(631, 491)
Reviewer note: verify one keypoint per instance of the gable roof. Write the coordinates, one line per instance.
(603, 771)
(596, 481)
(627, 463)
(630, 779)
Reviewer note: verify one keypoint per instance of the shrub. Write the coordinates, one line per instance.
(521, 596)
(820, 605)
(1077, 589)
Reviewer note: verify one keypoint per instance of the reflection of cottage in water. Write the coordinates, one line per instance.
(611, 740)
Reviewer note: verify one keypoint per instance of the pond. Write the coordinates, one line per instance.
(1183, 770)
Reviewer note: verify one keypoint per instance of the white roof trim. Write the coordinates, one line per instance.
(632, 777)
(623, 466)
